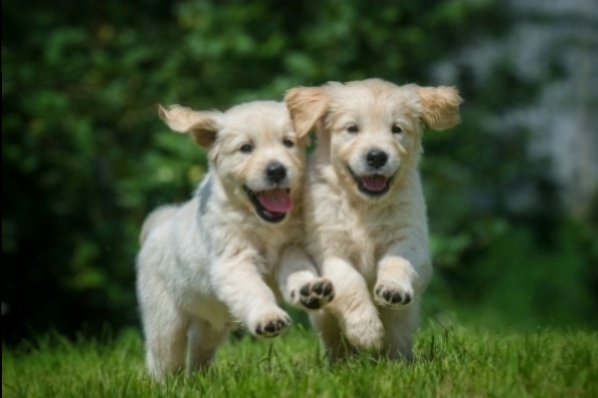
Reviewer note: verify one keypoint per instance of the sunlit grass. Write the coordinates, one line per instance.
(458, 363)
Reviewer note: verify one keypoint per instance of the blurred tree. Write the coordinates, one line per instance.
(84, 157)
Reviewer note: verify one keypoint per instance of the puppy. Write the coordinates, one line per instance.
(226, 255)
(365, 214)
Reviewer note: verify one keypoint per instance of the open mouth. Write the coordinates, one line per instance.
(272, 205)
(372, 185)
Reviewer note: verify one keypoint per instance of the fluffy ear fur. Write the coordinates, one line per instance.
(440, 106)
(306, 105)
(203, 125)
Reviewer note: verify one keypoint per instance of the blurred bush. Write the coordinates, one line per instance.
(84, 157)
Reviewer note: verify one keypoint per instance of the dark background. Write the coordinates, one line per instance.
(85, 157)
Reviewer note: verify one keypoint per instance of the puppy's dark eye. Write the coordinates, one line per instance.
(288, 143)
(246, 148)
(353, 129)
(396, 129)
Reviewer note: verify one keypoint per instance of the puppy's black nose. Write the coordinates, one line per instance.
(376, 158)
(276, 172)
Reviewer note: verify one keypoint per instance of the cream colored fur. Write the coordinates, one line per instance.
(212, 261)
(373, 248)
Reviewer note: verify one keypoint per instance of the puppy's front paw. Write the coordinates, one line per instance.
(365, 331)
(271, 324)
(393, 294)
(314, 294)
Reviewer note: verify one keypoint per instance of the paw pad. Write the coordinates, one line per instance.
(273, 327)
(393, 296)
(315, 295)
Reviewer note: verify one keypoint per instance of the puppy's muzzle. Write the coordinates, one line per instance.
(276, 172)
(374, 182)
(272, 204)
(376, 158)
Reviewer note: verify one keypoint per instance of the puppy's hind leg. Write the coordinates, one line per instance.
(400, 327)
(335, 344)
(356, 313)
(165, 329)
(204, 340)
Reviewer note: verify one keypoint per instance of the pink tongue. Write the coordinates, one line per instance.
(374, 183)
(276, 200)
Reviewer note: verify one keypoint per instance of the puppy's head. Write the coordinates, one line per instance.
(370, 131)
(253, 151)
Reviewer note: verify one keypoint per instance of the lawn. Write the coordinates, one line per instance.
(459, 363)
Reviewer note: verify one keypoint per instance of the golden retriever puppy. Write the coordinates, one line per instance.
(231, 251)
(365, 213)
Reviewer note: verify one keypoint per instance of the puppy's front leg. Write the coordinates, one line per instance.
(402, 276)
(352, 305)
(299, 281)
(239, 284)
(402, 273)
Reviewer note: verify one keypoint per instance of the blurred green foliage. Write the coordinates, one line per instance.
(84, 157)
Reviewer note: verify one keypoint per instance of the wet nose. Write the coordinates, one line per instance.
(276, 172)
(376, 158)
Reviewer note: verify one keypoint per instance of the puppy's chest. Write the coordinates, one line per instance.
(367, 242)
(269, 247)
(270, 257)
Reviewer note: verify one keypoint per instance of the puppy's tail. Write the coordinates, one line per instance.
(155, 218)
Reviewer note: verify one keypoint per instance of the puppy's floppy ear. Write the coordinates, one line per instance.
(306, 105)
(440, 106)
(203, 125)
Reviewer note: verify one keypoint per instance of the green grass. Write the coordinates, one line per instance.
(461, 363)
